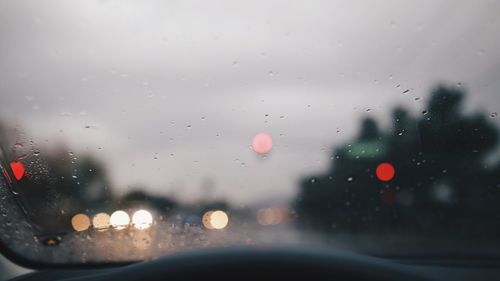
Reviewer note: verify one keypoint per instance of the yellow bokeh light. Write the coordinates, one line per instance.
(219, 219)
(101, 221)
(206, 220)
(80, 222)
(119, 220)
(142, 219)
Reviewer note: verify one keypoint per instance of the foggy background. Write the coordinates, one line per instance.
(168, 94)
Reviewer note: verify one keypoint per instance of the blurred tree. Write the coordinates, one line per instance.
(441, 179)
(138, 198)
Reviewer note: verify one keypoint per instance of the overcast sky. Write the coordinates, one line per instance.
(190, 82)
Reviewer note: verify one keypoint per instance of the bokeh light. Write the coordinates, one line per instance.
(385, 171)
(18, 170)
(119, 220)
(262, 143)
(142, 219)
(80, 222)
(101, 221)
(52, 241)
(206, 220)
(219, 219)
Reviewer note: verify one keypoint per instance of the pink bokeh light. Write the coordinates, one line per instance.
(262, 143)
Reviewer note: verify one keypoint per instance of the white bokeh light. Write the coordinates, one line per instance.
(142, 219)
(219, 219)
(119, 220)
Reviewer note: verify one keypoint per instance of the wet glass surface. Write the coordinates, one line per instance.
(131, 130)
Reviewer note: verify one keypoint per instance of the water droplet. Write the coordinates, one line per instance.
(493, 114)
(350, 179)
(406, 91)
(424, 112)
(313, 181)
(18, 145)
(235, 63)
(270, 73)
(188, 126)
(459, 84)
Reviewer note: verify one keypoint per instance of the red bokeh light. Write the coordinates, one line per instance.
(18, 169)
(385, 171)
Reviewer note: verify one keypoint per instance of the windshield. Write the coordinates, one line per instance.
(131, 130)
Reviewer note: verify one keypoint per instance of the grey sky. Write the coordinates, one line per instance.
(140, 72)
